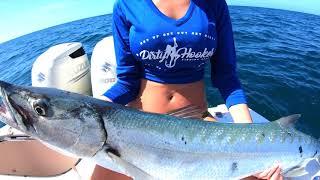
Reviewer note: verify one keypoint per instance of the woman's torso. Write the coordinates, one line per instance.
(173, 45)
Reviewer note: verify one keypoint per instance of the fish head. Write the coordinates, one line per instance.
(63, 119)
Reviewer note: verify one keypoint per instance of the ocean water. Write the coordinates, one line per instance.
(278, 58)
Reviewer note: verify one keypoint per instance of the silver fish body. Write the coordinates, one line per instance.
(157, 146)
(168, 148)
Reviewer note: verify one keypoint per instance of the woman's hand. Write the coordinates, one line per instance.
(273, 173)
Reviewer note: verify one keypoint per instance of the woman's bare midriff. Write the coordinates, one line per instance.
(163, 98)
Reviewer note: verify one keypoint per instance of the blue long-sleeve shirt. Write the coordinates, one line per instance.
(151, 45)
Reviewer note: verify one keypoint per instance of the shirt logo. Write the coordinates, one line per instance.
(172, 53)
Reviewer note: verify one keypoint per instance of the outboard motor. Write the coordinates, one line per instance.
(103, 64)
(64, 66)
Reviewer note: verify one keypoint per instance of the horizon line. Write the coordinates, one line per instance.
(73, 20)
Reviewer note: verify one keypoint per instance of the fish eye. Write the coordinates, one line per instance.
(40, 107)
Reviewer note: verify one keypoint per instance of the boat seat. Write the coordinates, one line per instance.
(22, 155)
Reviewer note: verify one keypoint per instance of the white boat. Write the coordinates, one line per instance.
(66, 66)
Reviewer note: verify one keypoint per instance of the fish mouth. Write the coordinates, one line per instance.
(3, 111)
(6, 109)
(13, 114)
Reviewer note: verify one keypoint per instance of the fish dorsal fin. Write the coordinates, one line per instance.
(133, 171)
(190, 111)
(289, 121)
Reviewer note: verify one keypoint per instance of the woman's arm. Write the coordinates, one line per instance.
(223, 66)
(240, 113)
(127, 86)
(224, 77)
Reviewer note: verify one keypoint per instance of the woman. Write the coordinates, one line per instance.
(162, 47)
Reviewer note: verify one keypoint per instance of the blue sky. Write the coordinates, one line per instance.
(19, 17)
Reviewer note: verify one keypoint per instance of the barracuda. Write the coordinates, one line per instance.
(154, 146)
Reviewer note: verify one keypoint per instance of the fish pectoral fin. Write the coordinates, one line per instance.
(304, 170)
(189, 111)
(295, 172)
(133, 171)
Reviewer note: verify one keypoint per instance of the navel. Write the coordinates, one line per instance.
(170, 97)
